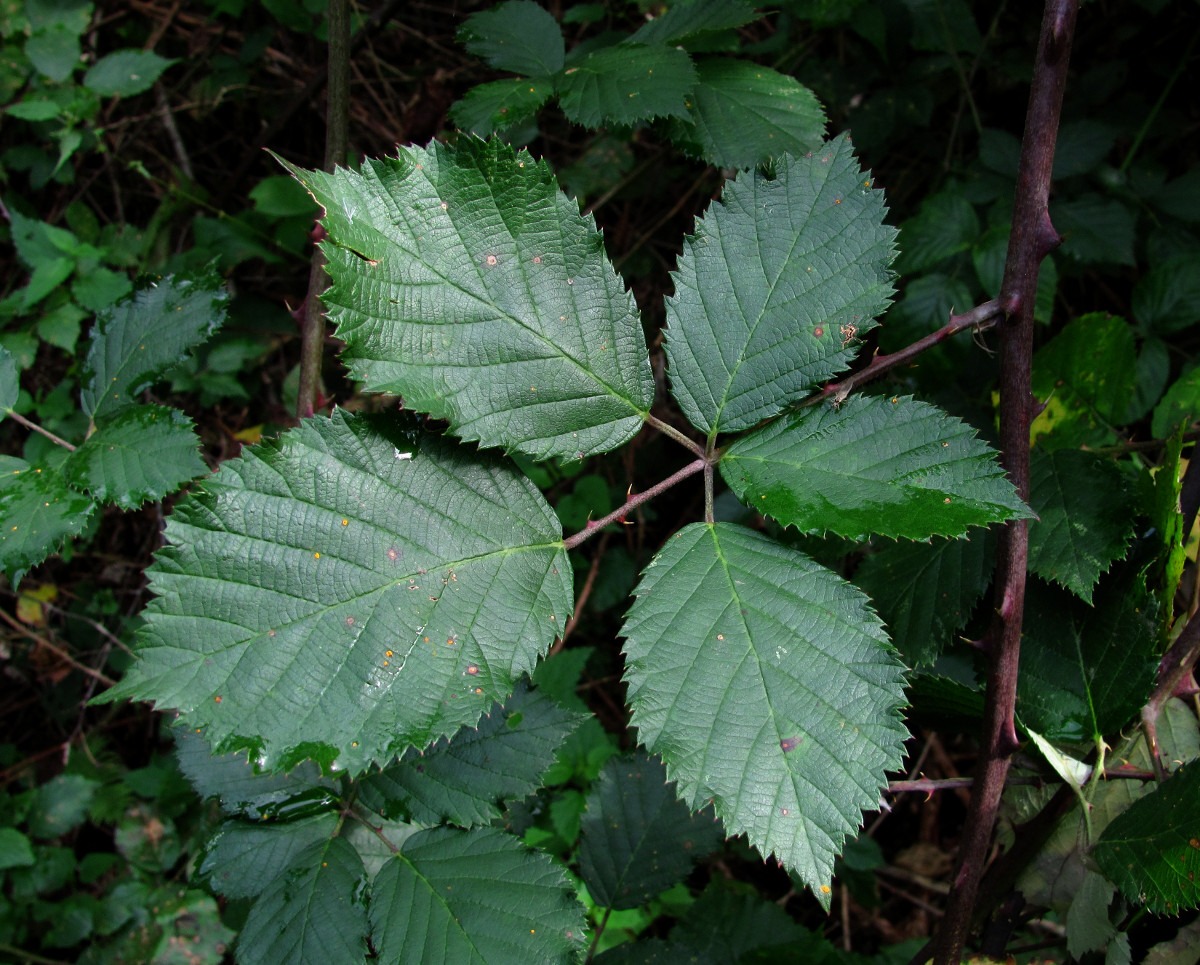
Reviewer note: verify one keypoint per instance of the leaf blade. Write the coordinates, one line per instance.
(894, 466)
(465, 281)
(741, 114)
(464, 779)
(1152, 850)
(637, 839)
(138, 455)
(627, 84)
(137, 341)
(343, 630)
(39, 512)
(1084, 520)
(774, 288)
(801, 750)
(314, 913)
(480, 896)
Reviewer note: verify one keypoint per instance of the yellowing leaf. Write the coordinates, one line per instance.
(30, 604)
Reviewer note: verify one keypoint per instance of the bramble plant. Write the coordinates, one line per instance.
(360, 626)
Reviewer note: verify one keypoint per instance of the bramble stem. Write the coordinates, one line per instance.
(21, 420)
(618, 515)
(979, 318)
(1033, 237)
(337, 140)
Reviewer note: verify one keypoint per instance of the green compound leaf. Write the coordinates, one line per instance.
(38, 513)
(337, 595)
(774, 288)
(125, 72)
(1085, 519)
(627, 84)
(925, 592)
(692, 17)
(637, 838)
(1152, 851)
(136, 342)
(314, 912)
(872, 465)
(465, 281)
(243, 860)
(491, 107)
(477, 896)
(518, 36)
(138, 455)
(768, 686)
(742, 114)
(464, 779)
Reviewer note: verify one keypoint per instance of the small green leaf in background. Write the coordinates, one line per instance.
(34, 109)
(517, 36)
(1089, 928)
(38, 513)
(15, 849)
(1085, 518)
(637, 838)
(1152, 850)
(768, 687)
(403, 591)
(138, 455)
(764, 307)
(740, 114)
(1085, 376)
(10, 382)
(245, 792)
(627, 84)
(486, 300)
(61, 805)
(243, 859)
(136, 342)
(314, 912)
(473, 896)
(894, 466)
(465, 779)
(1095, 230)
(1086, 671)
(1179, 407)
(1167, 298)
(681, 21)
(945, 226)
(925, 592)
(125, 72)
(488, 108)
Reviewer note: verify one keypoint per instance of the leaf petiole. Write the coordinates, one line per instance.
(619, 514)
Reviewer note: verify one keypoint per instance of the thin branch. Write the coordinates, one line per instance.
(977, 319)
(21, 420)
(618, 515)
(56, 650)
(672, 433)
(337, 140)
(1032, 238)
(589, 584)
